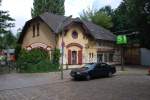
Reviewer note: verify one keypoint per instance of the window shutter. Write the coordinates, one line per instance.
(69, 56)
(80, 57)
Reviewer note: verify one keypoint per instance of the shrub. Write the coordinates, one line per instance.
(56, 56)
(36, 60)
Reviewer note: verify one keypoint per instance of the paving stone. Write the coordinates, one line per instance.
(132, 84)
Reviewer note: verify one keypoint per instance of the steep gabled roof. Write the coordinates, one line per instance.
(96, 31)
(53, 21)
(99, 32)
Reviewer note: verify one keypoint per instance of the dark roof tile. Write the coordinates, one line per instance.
(54, 22)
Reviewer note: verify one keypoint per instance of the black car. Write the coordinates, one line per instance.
(93, 70)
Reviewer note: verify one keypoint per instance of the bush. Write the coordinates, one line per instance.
(56, 56)
(36, 60)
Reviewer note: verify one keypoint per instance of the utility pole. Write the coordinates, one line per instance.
(122, 40)
(63, 44)
(122, 58)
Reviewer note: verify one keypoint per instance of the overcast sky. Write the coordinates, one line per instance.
(20, 10)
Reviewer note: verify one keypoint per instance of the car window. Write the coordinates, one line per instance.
(103, 65)
(98, 66)
(89, 66)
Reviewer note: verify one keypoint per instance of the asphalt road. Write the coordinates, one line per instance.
(128, 85)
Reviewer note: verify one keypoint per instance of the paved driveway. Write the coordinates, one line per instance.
(18, 80)
(132, 84)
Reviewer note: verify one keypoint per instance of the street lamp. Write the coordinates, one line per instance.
(62, 43)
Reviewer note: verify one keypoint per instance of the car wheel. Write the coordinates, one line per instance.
(88, 77)
(109, 74)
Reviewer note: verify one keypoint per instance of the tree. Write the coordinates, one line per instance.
(140, 12)
(9, 40)
(121, 19)
(101, 17)
(5, 25)
(53, 6)
(133, 16)
(107, 9)
(18, 33)
(5, 22)
(87, 14)
(56, 56)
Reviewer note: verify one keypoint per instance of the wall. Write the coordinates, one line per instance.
(45, 35)
(145, 56)
(132, 55)
(88, 45)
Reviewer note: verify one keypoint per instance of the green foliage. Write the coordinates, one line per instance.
(86, 14)
(17, 50)
(6, 37)
(42, 66)
(8, 40)
(53, 6)
(2, 58)
(33, 56)
(5, 22)
(107, 9)
(101, 17)
(133, 16)
(36, 60)
(56, 56)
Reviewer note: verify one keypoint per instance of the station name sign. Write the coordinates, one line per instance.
(121, 39)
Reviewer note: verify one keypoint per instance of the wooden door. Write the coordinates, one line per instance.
(69, 56)
(80, 57)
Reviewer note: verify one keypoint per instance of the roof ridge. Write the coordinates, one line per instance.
(53, 21)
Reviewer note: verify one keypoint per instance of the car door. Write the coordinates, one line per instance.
(104, 69)
(95, 72)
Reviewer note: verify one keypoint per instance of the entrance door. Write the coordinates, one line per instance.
(99, 57)
(74, 57)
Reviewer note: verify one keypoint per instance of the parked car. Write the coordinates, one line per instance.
(93, 70)
(149, 71)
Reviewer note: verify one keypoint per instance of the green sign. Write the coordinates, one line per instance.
(121, 39)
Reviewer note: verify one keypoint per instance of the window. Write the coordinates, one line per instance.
(98, 66)
(38, 24)
(103, 64)
(111, 57)
(74, 35)
(105, 57)
(33, 27)
(89, 55)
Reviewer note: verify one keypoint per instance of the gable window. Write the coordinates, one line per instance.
(33, 27)
(92, 55)
(74, 35)
(89, 55)
(38, 24)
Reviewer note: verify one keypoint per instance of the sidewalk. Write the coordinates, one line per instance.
(136, 70)
(20, 80)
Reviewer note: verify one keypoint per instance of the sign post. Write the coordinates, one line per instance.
(121, 40)
(63, 44)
